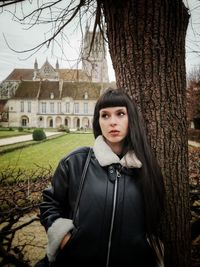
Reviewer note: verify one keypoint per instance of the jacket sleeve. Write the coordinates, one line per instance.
(54, 210)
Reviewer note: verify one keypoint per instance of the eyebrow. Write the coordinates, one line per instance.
(119, 109)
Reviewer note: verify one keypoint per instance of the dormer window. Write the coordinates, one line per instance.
(86, 95)
(52, 95)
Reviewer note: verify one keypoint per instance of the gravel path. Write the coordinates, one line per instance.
(22, 138)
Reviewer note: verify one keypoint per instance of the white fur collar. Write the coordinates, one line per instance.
(106, 156)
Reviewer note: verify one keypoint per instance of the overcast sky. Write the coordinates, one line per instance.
(20, 39)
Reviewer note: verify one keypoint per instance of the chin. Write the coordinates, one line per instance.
(115, 139)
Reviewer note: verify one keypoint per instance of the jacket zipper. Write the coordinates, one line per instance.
(112, 218)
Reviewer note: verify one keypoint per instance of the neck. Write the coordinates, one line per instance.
(116, 148)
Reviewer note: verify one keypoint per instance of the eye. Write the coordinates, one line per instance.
(121, 113)
(104, 116)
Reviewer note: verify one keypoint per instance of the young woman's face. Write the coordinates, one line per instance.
(113, 122)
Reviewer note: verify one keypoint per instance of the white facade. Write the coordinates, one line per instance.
(47, 113)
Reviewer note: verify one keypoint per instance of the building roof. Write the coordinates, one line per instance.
(73, 75)
(49, 90)
(27, 90)
(77, 90)
(64, 74)
(20, 74)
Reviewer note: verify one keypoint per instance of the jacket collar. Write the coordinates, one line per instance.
(106, 156)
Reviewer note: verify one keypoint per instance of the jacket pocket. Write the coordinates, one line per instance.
(65, 252)
(74, 233)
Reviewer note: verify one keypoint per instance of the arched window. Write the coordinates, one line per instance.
(51, 123)
(24, 121)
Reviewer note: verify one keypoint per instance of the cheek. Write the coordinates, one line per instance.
(102, 125)
(126, 126)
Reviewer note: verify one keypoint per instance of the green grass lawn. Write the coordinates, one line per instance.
(44, 154)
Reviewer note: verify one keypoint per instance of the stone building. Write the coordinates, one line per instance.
(53, 103)
(49, 96)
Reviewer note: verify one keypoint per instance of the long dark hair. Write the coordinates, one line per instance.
(150, 173)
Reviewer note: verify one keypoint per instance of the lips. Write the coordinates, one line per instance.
(114, 132)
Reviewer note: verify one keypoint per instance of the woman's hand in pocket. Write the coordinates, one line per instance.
(65, 240)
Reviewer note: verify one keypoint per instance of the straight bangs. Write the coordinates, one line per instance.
(112, 99)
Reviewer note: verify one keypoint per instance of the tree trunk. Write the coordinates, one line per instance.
(147, 46)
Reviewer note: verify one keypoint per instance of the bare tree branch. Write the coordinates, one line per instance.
(10, 2)
(51, 13)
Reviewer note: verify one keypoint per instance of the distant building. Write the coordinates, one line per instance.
(52, 103)
(50, 97)
(94, 62)
(193, 104)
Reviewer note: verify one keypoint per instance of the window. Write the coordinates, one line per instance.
(44, 108)
(68, 107)
(76, 107)
(29, 106)
(51, 107)
(22, 106)
(51, 123)
(24, 122)
(85, 108)
(59, 107)
(46, 69)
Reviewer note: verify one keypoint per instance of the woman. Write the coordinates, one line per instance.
(117, 219)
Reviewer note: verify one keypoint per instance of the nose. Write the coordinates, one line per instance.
(113, 120)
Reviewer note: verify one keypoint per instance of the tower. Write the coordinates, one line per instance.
(94, 62)
(35, 69)
(57, 65)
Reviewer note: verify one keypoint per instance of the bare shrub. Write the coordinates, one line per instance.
(19, 201)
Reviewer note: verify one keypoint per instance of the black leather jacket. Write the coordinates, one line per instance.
(109, 228)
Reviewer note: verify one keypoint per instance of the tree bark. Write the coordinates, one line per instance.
(147, 46)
